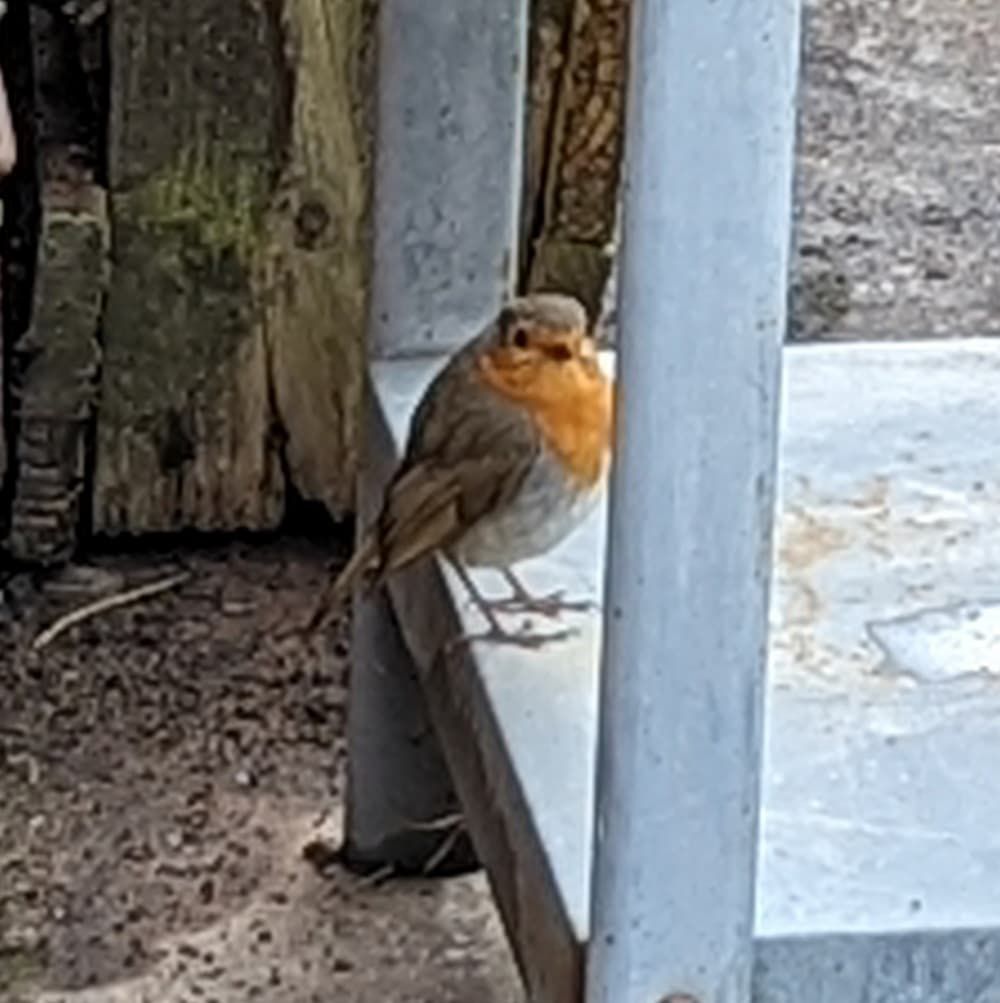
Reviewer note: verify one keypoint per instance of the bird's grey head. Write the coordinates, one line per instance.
(544, 311)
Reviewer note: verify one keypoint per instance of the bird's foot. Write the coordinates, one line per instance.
(523, 638)
(497, 633)
(521, 601)
(550, 605)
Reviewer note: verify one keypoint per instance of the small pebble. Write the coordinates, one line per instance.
(25, 938)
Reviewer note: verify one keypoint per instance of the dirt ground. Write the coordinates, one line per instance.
(898, 202)
(162, 767)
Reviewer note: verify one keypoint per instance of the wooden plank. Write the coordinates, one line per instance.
(56, 366)
(316, 274)
(52, 381)
(574, 138)
(198, 117)
(20, 224)
(233, 329)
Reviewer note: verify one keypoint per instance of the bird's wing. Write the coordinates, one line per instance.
(461, 463)
(432, 500)
(467, 453)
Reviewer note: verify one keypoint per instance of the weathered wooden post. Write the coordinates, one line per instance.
(55, 363)
(573, 143)
(702, 311)
(233, 331)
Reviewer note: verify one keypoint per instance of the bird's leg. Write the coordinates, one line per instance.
(496, 631)
(550, 605)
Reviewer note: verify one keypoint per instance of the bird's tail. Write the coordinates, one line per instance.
(362, 563)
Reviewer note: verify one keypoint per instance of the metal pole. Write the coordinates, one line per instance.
(702, 310)
(398, 787)
(447, 169)
(447, 181)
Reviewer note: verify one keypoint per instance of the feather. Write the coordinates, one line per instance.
(361, 564)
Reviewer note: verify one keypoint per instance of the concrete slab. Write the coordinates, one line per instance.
(883, 705)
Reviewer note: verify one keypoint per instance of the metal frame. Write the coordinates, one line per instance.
(707, 220)
(447, 169)
(709, 148)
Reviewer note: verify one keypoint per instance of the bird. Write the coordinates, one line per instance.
(507, 452)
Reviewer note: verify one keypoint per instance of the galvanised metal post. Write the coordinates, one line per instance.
(451, 84)
(446, 207)
(702, 311)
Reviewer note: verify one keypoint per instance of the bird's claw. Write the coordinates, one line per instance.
(519, 601)
(551, 605)
(523, 638)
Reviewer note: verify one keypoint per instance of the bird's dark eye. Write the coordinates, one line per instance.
(519, 337)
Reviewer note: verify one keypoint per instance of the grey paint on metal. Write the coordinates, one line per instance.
(544, 702)
(398, 787)
(706, 235)
(879, 813)
(401, 804)
(958, 966)
(877, 823)
(447, 168)
(490, 705)
(936, 645)
(447, 181)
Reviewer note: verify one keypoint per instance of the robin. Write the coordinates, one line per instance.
(507, 452)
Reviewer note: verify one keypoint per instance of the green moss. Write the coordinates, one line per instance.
(213, 191)
(186, 240)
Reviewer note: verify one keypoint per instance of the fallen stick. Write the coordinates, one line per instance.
(93, 609)
(437, 824)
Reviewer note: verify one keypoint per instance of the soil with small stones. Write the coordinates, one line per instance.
(162, 767)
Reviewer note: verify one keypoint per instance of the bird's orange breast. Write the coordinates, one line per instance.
(571, 404)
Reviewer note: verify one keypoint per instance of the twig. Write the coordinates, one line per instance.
(378, 877)
(437, 824)
(447, 845)
(93, 609)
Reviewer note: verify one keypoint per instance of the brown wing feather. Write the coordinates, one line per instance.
(420, 513)
(467, 452)
(431, 504)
